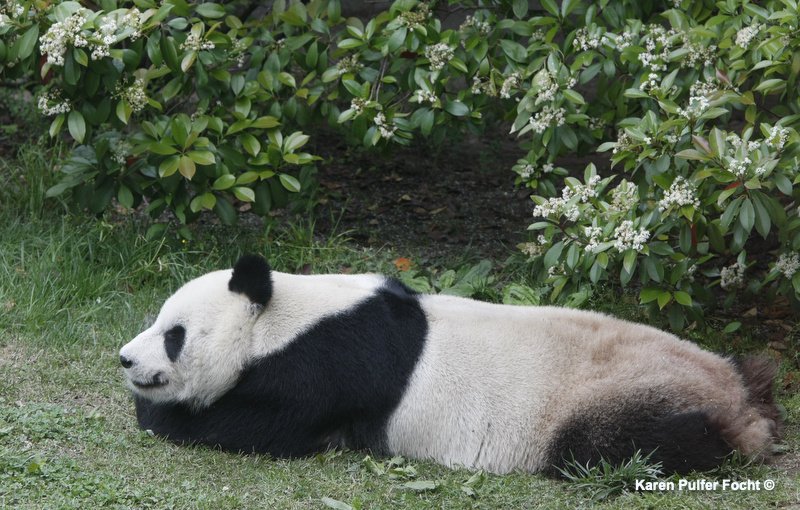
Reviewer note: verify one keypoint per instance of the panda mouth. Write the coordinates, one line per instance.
(155, 382)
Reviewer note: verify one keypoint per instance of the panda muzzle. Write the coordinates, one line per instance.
(156, 382)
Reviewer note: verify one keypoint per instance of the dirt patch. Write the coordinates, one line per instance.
(458, 200)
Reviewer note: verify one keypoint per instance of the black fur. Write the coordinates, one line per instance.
(173, 341)
(335, 385)
(681, 441)
(252, 277)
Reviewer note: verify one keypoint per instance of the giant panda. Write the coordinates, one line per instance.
(254, 360)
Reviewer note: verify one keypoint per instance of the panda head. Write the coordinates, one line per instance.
(201, 340)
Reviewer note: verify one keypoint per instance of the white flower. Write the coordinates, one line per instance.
(624, 142)
(348, 65)
(680, 193)
(593, 234)
(586, 41)
(50, 103)
(777, 138)
(120, 152)
(626, 237)
(439, 55)
(746, 35)
(195, 42)
(788, 264)
(512, 81)
(703, 88)
(548, 87)
(549, 116)
(135, 95)
(422, 96)
(739, 167)
(732, 277)
(531, 249)
(624, 197)
(54, 42)
(697, 106)
(481, 27)
(651, 83)
(547, 168)
(386, 130)
(358, 104)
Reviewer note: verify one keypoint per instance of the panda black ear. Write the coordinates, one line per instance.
(251, 277)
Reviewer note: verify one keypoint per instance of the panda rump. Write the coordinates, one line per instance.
(291, 365)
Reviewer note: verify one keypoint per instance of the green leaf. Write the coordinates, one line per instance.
(250, 144)
(169, 166)
(27, 43)
(188, 61)
(210, 10)
(553, 254)
(664, 297)
(514, 50)
(124, 196)
(202, 157)
(287, 79)
(683, 298)
(56, 125)
(224, 182)
(747, 215)
(648, 294)
(421, 485)
(732, 326)
(187, 167)
(265, 122)
(123, 111)
(290, 183)
(244, 194)
(629, 261)
(574, 97)
(76, 125)
(295, 141)
(456, 108)
(520, 8)
(204, 201)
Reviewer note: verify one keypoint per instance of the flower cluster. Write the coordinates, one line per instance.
(61, 34)
(560, 206)
(738, 167)
(423, 96)
(585, 40)
(680, 193)
(732, 277)
(439, 55)
(385, 128)
(624, 197)
(593, 234)
(120, 152)
(788, 264)
(72, 31)
(357, 104)
(705, 89)
(195, 42)
(10, 9)
(51, 103)
(512, 81)
(417, 18)
(777, 138)
(482, 27)
(135, 95)
(746, 35)
(697, 106)
(533, 249)
(624, 142)
(651, 83)
(626, 237)
(348, 65)
(549, 116)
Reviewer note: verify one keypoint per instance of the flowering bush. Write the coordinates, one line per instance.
(695, 104)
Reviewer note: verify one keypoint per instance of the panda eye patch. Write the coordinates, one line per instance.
(173, 341)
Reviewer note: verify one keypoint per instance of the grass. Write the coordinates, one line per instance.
(74, 289)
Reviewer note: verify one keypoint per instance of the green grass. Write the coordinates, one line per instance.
(74, 289)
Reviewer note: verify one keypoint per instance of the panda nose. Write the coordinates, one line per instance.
(126, 363)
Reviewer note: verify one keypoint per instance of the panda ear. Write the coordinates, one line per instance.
(251, 277)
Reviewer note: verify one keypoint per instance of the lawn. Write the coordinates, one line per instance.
(74, 289)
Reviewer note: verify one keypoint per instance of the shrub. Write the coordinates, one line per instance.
(196, 107)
